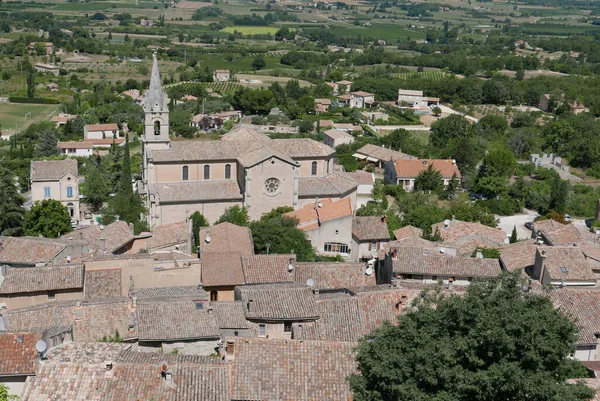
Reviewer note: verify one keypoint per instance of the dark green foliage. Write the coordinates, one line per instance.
(235, 215)
(276, 213)
(95, 189)
(30, 86)
(495, 343)
(488, 253)
(36, 100)
(198, 221)
(283, 236)
(48, 218)
(559, 195)
(47, 143)
(513, 235)
(11, 205)
(258, 63)
(429, 180)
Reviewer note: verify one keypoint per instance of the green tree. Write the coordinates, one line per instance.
(275, 213)
(501, 162)
(429, 179)
(436, 111)
(4, 389)
(452, 187)
(48, 218)
(11, 205)
(258, 63)
(95, 189)
(445, 129)
(235, 215)
(559, 196)
(198, 221)
(46, 146)
(495, 343)
(30, 86)
(513, 235)
(283, 237)
(305, 126)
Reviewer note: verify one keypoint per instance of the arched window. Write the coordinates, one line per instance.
(207, 172)
(156, 127)
(184, 173)
(228, 171)
(313, 170)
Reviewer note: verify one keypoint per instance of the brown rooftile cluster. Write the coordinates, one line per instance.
(18, 356)
(116, 235)
(46, 170)
(568, 263)
(189, 293)
(227, 237)
(196, 191)
(582, 307)
(556, 233)
(411, 168)
(311, 216)
(169, 235)
(518, 255)
(102, 127)
(175, 321)
(221, 269)
(333, 275)
(362, 177)
(267, 369)
(276, 302)
(368, 228)
(414, 261)
(381, 153)
(333, 185)
(467, 236)
(102, 283)
(34, 279)
(268, 268)
(29, 250)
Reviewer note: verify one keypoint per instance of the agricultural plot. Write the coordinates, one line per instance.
(222, 88)
(431, 75)
(13, 114)
(251, 30)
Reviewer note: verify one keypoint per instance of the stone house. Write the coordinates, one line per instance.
(369, 236)
(58, 180)
(77, 149)
(101, 131)
(335, 138)
(405, 172)
(562, 266)
(415, 99)
(221, 75)
(38, 252)
(379, 155)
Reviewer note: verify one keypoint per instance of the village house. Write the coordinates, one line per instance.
(58, 180)
(101, 131)
(335, 138)
(412, 237)
(146, 22)
(62, 119)
(226, 238)
(359, 99)
(327, 224)
(554, 233)
(37, 252)
(405, 172)
(322, 105)
(518, 256)
(562, 266)
(135, 95)
(415, 99)
(379, 155)
(77, 149)
(47, 68)
(369, 235)
(365, 182)
(467, 236)
(324, 276)
(221, 76)
(48, 47)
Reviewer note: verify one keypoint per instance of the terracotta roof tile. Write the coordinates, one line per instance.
(582, 307)
(116, 235)
(413, 261)
(230, 315)
(362, 94)
(169, 235)
(333, 185)
(268, 369)
(190, 292)
(362, 177)
(52, 169)
(468, 236)
(365, 228)
(18, 356)
(222, 269)
(571, 259)
(29, 250)
(561, 234)
(407, 231)
(280, 301)
(74, 145)
(336, 134)
(102, 127)
(333, 275)
(175, 321)
(518, 255)
(196, 191)
(329, 210)
(33, 279)
(104, 141)
(227, 237)
(412, 168)
(383, 154)
(273, 268)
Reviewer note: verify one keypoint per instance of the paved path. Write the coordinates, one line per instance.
(507, 223)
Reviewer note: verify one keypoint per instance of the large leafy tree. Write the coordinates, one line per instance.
(11, 205)
(559, 195)
(198, 221)
(282, 236)
(235, 215)
(96, 188)
(48, 139)
(429, 179)
(495, 343)
(48, 218)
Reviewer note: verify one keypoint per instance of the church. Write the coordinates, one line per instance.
(243, 168)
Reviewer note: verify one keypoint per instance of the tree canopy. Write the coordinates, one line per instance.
(235, 215)
(282, 236)
(495, 343)
(48, 218)
(11, 205)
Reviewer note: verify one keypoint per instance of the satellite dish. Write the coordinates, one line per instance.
(369, 271)
(207, 239)
(290, 267)
(310, 282)
(446, 222)
(506, 241)
(40, 346)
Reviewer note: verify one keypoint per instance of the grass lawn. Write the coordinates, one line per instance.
(251, 30)
(14, 113)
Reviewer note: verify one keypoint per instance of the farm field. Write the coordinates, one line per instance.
(432, 75)
(14, 113)
(218, 87)
(251, 30)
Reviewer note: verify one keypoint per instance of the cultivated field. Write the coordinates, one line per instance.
(251, 30)
(12, 114)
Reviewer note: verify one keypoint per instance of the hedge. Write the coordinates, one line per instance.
(36, 100)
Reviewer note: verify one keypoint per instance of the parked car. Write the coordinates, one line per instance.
(73, 224)
(529, 225)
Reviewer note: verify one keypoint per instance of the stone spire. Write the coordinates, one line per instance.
(156, 98)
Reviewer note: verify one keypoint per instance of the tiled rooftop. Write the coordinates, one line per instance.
(29, 250)
(381, 153)
(268, 369)
(411, 168)
(191, 292)
(52, 169)
(561, 234)
(365, 228)
(333, 185)
(310, 215)
(169, 235)
(275, 302)
(33, 279)
(227, 237)
(175, 321)
(582, 307)
(221, 269)
(230, 315)
(407, 231)
(268, 268)
(569, 263)
(196, 191)
(467, 236)
(18, 355)
(333, 275)
(518, 255)
(116, 235)
(102, 127)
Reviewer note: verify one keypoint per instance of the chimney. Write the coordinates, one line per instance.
(395, 254)
(102, 240)
(250, 306)
(131, 230)
(384, 219)
(317, 293)
(479, 254)
(453, 218)
(451, 284)
(542, 268)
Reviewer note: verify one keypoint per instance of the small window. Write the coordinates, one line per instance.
(185, 173)
(335, 247)
(199, 305)
(47, 192)
(78, 314)
(564, 270)
(207, 172)
(51, 295)
(70, 192)
(287, 327)
(213, 295)
(313, 170)
(228, 171)
(262, 330)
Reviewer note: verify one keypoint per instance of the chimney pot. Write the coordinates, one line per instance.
(384, 219)
(250, 306)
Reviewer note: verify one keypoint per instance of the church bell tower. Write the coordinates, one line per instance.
(156, 113)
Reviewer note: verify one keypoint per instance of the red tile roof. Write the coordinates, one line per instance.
(365, 228)
(410, 168)
(518, 255)
(227, 237)
(102, 127)
(33, 279)
(278, 301)
(221, 269)
(582, 307)
(18, 356)
(310, 217)
(333, 275)
(260, 269)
